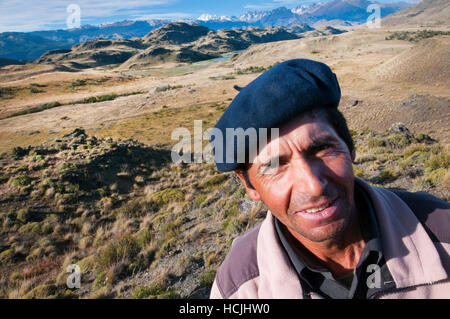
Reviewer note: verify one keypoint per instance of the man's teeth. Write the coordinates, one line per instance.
(317, 209)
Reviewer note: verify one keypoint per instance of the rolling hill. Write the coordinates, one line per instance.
(426, 13)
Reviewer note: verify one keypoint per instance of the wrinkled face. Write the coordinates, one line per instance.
(311, 189)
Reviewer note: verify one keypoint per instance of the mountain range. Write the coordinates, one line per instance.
(173, 42)
(29, 46)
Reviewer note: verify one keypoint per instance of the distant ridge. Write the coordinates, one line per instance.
(426, 13)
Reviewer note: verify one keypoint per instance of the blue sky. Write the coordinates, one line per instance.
(31, 15)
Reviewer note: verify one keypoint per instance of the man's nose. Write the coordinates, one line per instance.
(308, 177)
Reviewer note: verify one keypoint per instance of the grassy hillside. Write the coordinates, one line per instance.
(139, 226)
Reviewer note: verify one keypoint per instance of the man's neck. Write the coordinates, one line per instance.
(341, 254)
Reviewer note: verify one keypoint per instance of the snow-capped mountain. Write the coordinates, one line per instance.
(302, 9)
(253, 16)
(345, 10)
(213, 17)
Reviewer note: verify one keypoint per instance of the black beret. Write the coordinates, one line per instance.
(275, 97)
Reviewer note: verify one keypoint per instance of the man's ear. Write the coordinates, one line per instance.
(254, 195)
(353, 155)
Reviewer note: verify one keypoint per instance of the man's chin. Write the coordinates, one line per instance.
(324, 233)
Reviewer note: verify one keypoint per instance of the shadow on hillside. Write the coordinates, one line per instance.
(117, 169)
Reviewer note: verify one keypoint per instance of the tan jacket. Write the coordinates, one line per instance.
(416, 247)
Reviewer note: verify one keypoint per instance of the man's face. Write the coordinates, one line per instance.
(311, 190)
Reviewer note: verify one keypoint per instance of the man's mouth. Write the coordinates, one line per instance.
(318, 208)
(321, 212)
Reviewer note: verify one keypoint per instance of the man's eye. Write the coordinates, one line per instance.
(269, 170)
(323, 147)
(326, 149)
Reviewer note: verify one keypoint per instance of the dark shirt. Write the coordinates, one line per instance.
(318, 279)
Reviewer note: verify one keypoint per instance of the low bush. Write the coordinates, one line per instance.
(166, 196)
(21, 180)
(124, 249)
(159, 291)
(24, 215)
(207, 278)
(386, 175)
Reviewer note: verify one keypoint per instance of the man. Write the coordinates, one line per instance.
(327, 234)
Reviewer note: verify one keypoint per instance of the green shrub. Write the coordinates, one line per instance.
(155, 291)
(166, 246)
(36, 109)
(233, 226)
(132, 208)
(420, 137)
(438, 176)
(415, 36)
(200, 200)
(7, 256)
(21, 180)
(223, 77)
(374, 142)
(42, 291)
(144, 237)
(359, 172)
(37, 229)
(168, 88)
(80, 82)
(100, 280)
(438, 161)
(166, 196)
(35, 90)
(169, 228)
(36, 158)
(207, 278)
(22, 168)
(124, 249)
(353, 133)
(24, 215)
(97, 99)
(72, 188)
(416, 149)
(215, 180)
(387, 175)
(398, 140)
(250, 70)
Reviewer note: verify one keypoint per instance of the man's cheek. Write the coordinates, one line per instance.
(341, 168)
(278, 198)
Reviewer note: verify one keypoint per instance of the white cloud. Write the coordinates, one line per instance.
(262, 6)
(286, 2)
(29, 15)
(171, 15)
(271, 5)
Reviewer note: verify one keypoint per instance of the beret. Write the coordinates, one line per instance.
(275, 97)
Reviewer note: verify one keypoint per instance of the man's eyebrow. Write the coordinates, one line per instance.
(279, 158)
(319, 142)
